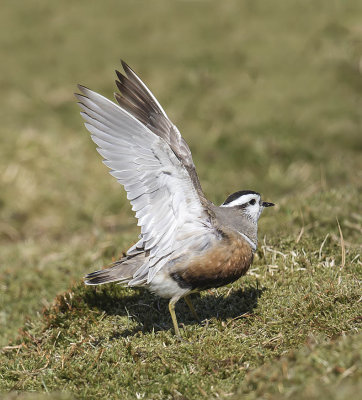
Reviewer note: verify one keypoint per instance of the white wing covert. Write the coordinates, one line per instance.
(164, 197)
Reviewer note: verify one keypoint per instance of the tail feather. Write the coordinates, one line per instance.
(121, 271)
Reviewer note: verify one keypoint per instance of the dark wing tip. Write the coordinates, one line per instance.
(128, 70)
(80, 97)
(125, 65)
(120, 76)
(81, 87)
(84, 90)
(119, 85)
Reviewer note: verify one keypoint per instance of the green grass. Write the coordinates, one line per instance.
(268, 97)
(321, 370)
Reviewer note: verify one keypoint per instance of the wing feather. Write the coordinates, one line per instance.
(138, 100)
(158, 184)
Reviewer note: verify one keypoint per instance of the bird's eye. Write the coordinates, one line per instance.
(252, 202)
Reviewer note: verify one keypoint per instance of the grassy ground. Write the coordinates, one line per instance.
(268, 98)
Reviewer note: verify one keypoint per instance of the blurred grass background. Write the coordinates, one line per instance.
(267, 94)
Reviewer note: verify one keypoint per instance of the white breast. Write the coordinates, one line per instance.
(164, 286)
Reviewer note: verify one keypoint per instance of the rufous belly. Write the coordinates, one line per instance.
(223, 263)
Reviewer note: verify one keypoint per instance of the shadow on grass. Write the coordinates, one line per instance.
(151, 312)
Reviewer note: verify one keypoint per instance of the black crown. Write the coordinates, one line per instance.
(236, 195)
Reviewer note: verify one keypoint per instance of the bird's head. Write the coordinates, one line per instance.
(248, 203)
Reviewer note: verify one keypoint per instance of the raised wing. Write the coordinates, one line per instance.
(138, 100)
(167, 205)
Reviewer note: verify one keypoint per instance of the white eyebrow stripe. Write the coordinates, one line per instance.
(241, 200)
(252, 244)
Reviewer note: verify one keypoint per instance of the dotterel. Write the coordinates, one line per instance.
(187, 243)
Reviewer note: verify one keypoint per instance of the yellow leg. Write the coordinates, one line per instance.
(191, 307)
(171, 307)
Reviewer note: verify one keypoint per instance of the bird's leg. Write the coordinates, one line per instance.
(191, 307)
(171, 307)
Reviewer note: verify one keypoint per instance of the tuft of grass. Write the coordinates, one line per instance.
(320, 370)
(268, 98)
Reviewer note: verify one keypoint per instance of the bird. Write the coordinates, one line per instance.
(186, 244)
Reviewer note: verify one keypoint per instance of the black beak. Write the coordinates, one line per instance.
(266, 204)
